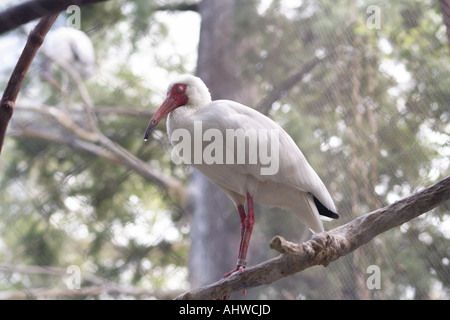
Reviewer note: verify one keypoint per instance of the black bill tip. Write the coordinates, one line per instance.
(149, 129)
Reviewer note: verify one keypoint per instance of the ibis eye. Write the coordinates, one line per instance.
(180, 89)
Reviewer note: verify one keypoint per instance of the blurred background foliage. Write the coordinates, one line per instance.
(372, 117)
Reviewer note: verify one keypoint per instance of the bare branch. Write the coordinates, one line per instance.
(104, 147)
(64, 119)
(329, 246)
(88, 140)
(100, 286)
(82, 90)
(25, 12)
(53, 293)
(266, 103)
(104, 110)
(69, 140)
(35, 40)
(125, 111)
(174, 187)
(45, 270)
(178, 7)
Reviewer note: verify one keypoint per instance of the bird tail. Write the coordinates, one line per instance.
(324, 211)
(308, 213)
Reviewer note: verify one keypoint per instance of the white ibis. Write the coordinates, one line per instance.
(72, 47)
(293, 184)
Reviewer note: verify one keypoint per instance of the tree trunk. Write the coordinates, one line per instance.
(445, 9)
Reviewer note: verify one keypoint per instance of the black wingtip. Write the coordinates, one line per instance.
(324, 211)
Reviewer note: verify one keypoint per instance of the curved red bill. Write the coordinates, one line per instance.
(168, 105)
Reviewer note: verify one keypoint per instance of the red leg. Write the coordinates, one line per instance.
(247, 222)
(241, 211)
(242, 215)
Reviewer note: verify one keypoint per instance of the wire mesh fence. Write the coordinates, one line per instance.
(88, 210)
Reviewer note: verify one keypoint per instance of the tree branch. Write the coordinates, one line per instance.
(329, 246)
(68, 140)
(99, 285)
(84, 94)
(25, 12)
(178, 7)
(266, 103)
(40, 293)
(173, 186)
(35, 40)
(112, 152)
(28, 106)
(94, 141)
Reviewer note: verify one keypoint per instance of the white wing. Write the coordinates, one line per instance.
(293, 184)
(294, 169)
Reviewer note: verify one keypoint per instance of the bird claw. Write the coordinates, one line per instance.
(233, 272)
(236, 270)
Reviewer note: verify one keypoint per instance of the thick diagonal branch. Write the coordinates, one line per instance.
(329, 246)
(94, 141)
(102, 146)
(35, 40)
(25, 12)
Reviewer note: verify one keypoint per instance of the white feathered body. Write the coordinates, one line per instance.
(71, 47)
(292, 186)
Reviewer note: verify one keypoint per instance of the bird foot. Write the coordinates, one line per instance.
(234, 271)
(238, 269)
